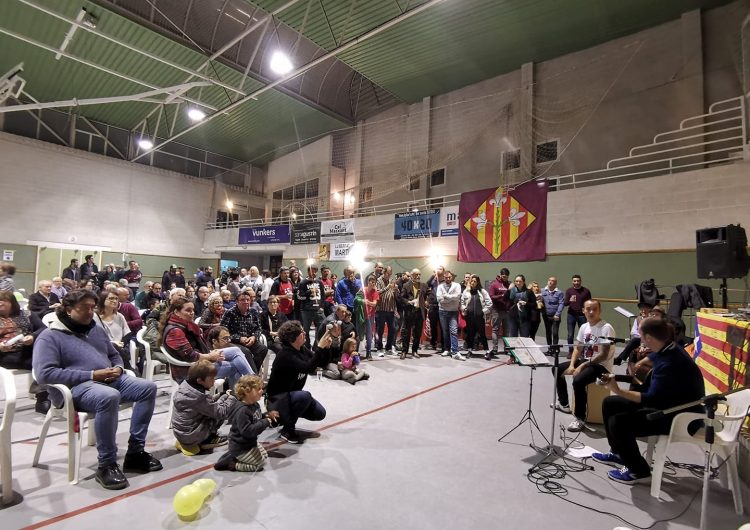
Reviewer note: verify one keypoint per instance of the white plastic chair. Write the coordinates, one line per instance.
(48, 318)
(725, 444)
(150, 364)
(75, 439)
(172, 361)
(6, 461)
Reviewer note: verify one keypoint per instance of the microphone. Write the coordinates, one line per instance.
(615, 340)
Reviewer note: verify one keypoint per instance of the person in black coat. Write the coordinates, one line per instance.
(43, 301)
(288, 378)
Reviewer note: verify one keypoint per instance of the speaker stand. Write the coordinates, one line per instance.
(723, 291)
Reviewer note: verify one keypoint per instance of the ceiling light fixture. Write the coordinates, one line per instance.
(196, 114)
(230, 204)
(280, 63)
(145, 144)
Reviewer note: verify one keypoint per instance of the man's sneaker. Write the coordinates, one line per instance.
(247, 468)
(562, 408)
(446, 353)
(611, 459)
(577, 425)
(381, 353)
(457, 356)
(394, 351)
(212, 441)
(141, 462)
(110, 477)
(188, 450)
(469, 353)
(624, 476)
(290, 437)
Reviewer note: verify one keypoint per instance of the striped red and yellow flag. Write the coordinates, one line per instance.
(716, 357)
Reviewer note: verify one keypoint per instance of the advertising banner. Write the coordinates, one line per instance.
(264, 235)
(341, 251)
(415, 225)
(449, 221)
(341, 231)
(304, 234)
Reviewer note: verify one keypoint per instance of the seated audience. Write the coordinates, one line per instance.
(57, 288)
(243, 322)
(128, 310)
(76, 352)
(197, 416)
(270, 321)
(112, 322)
(140, 298)
(183, 340)
(349, 365)
(43, 301)
(213, 313)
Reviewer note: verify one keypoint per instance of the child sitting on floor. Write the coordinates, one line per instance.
(197, 416)
(349, 364)
(245, 454)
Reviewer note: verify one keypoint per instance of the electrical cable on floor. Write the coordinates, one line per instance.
(546, 476)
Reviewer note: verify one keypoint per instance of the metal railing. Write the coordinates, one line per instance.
(716, 137)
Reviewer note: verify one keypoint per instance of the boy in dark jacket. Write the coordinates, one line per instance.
(197, 416)
(245, 454)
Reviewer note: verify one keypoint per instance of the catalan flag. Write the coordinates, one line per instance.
(721, 352)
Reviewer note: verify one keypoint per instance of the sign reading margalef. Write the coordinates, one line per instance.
(308, 233)
(263, 235)
(337, 231)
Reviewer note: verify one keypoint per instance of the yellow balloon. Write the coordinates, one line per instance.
(188, 501)
(206, 485)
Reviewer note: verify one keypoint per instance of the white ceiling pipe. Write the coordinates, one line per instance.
(302, 69)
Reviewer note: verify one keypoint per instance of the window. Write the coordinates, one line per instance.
(287, 194)
(437, 178)
(365, 194)
(413, 183)
(546, 152)
(435, 203)
(511, 160)
(277, 195)
(299, 191)
(312, 188)
(226, 219)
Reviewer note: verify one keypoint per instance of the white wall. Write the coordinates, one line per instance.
(309, 162)
(52, 193)
(656, 213)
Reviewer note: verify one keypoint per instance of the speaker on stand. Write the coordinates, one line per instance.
(721, 252)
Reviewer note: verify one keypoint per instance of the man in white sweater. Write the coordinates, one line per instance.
(449, 299)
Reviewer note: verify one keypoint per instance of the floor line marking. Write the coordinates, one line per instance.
(143, 489)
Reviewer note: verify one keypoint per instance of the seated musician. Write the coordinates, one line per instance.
(635, 337)
(639, 365)
(675, 380)
(593, 356)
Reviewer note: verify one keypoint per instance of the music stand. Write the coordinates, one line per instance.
(527, 353)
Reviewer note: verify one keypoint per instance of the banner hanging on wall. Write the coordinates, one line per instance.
(304, 234)
(504, 225)
(260, 235)
(341, 231)
(341, 251)
(449, 221)
(415, 225)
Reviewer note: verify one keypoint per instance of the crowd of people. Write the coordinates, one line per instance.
(77, 328)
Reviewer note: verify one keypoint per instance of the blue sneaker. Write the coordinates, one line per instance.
(624, 476)
(611, 459)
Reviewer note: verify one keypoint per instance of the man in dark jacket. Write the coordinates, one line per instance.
(89, 269)
(675, 380)
(574, 299)
(71, 272)
(44, 300)
(413, 299)
(288, 378)
(500, 307)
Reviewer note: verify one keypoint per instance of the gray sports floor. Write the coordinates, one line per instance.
(414, 447)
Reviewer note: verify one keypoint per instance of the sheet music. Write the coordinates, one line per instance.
(624, 312)
(526, 351)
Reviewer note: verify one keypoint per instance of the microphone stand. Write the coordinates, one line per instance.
(710, 403)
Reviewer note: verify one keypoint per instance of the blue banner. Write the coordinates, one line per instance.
(264, 235)
(414, 225)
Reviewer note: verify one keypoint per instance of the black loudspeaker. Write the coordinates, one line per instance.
(722, 252)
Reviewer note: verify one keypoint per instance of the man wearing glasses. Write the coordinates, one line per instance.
(243, 323)
(413, 301)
